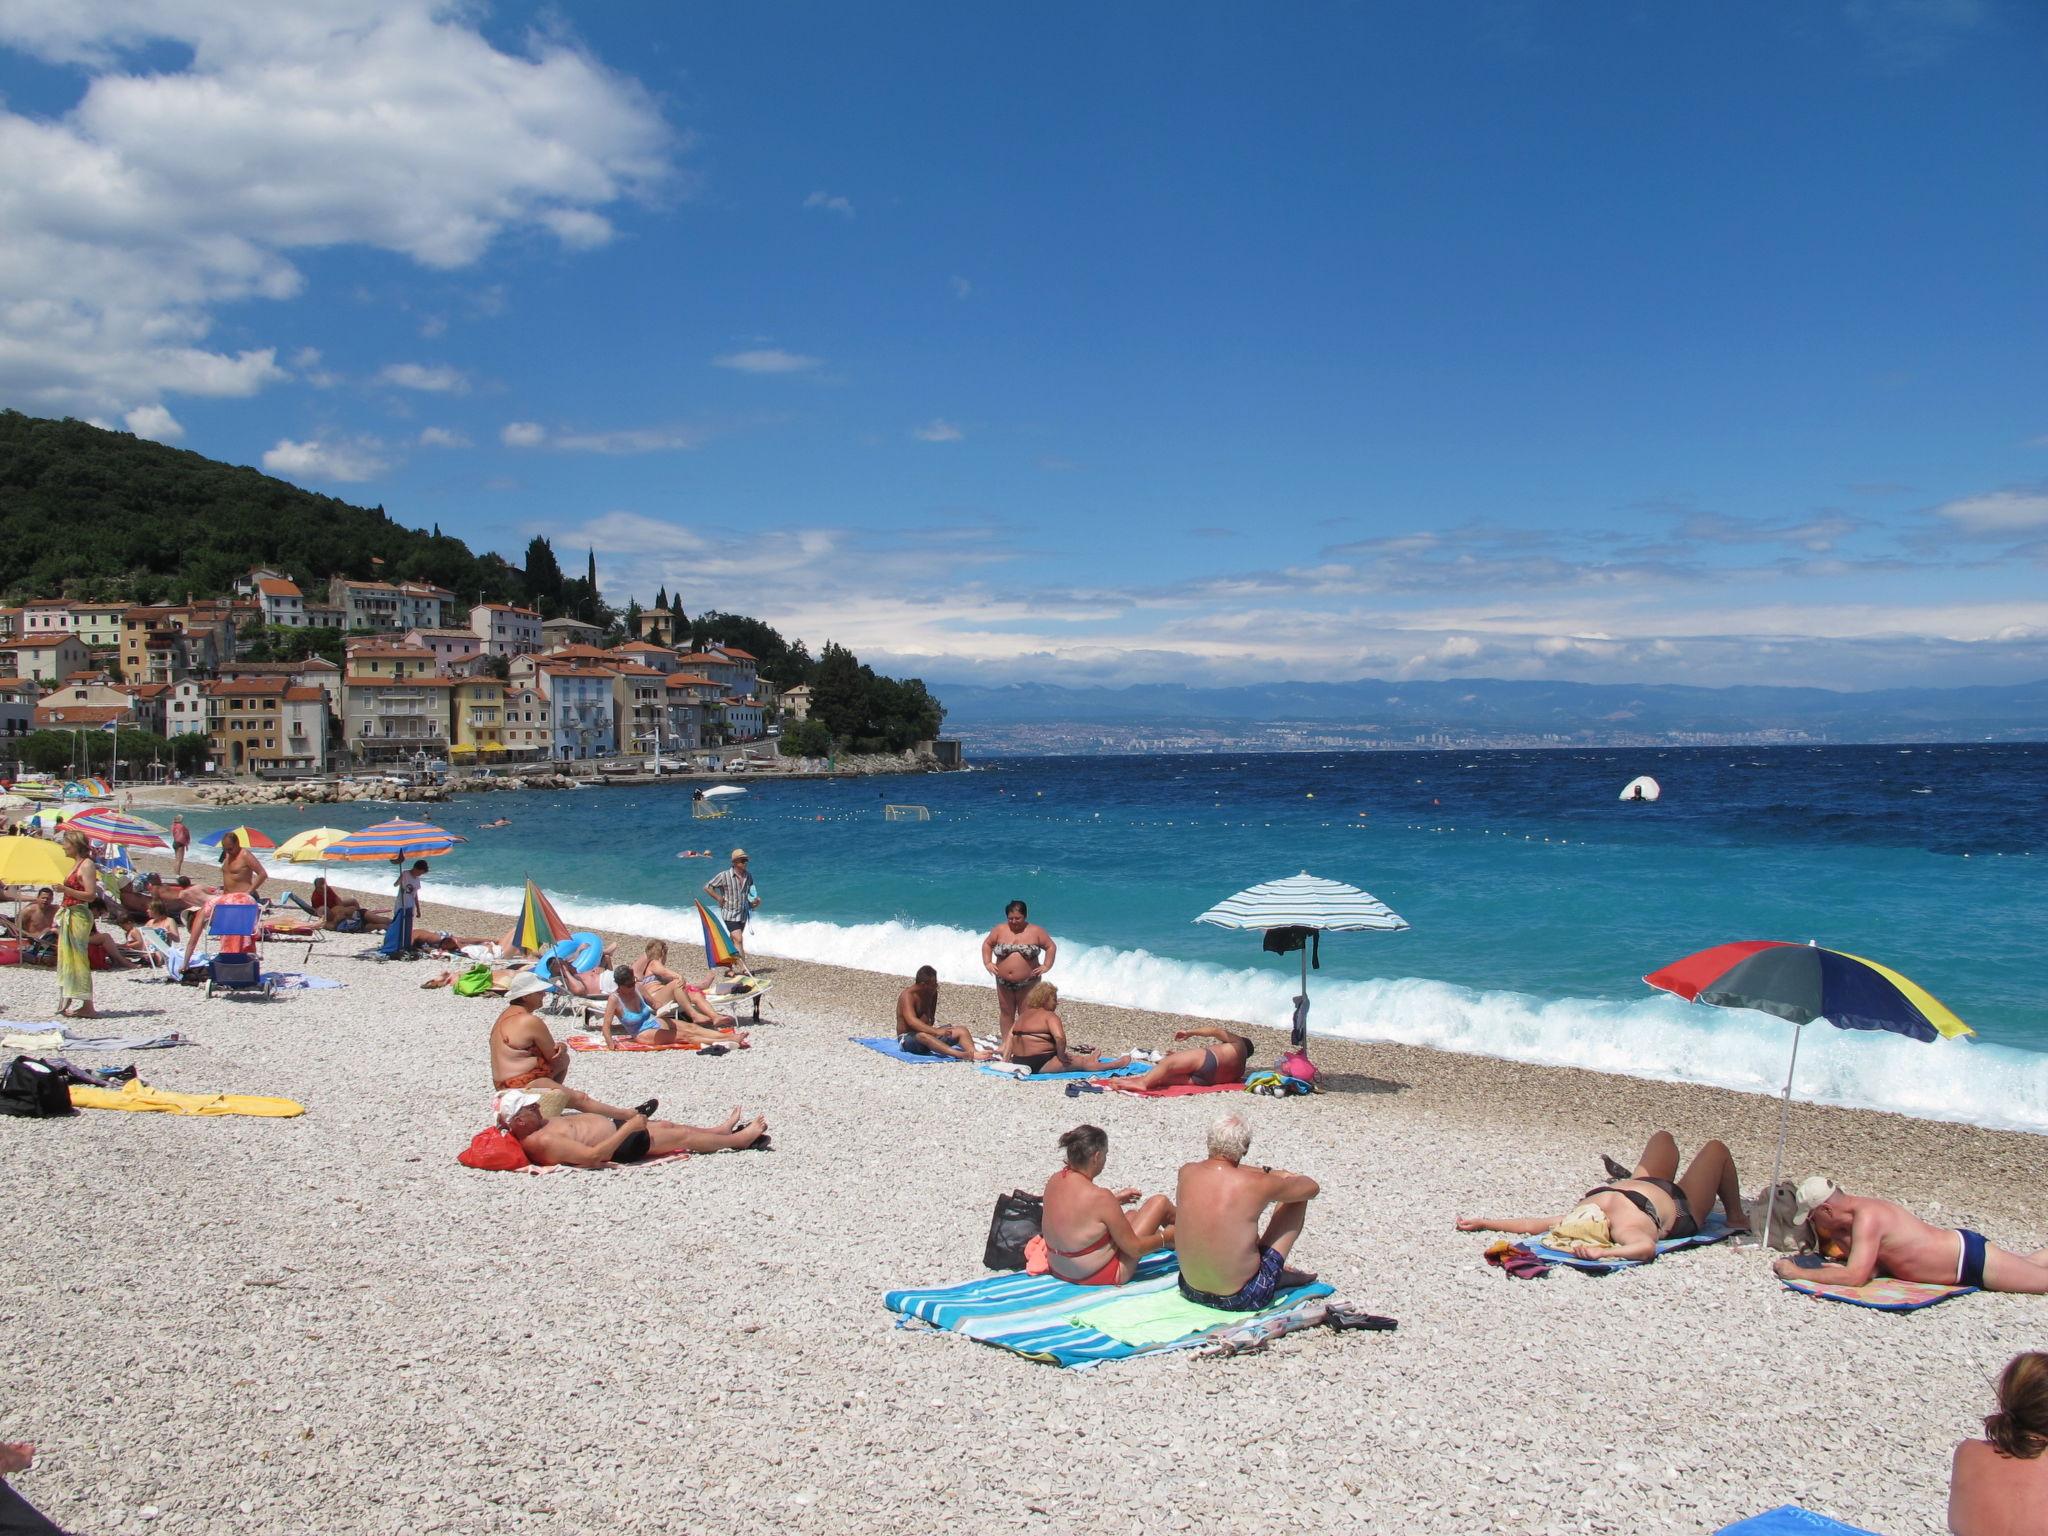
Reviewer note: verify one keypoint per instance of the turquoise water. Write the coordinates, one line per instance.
(1538, 899)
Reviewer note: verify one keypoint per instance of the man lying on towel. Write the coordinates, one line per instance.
(554, 1135)
(1203, 1066)
(918, 1029)
(1881, 1238)
(525, 1053)
(1226, 1261)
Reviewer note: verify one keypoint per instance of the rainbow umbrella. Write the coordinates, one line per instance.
(540, 926)
(719, 948)
(250, 836)
(309, 846)
(53, 816)
(1802, 983)
(392, 840)
(115, 828)
(84, 789)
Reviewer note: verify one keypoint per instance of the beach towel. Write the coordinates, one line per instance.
(1791, 1520)
(1716, 1230)
(299, 981)
(33, 1037)
(891, 1046)
(1028, 1314)
(596, 1043)
(1179, 1090)
(1094, 1074)
(1159, 1317)
(141, 1097)
(74, 1040)
(1882, 1295)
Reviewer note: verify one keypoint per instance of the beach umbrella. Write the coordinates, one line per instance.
(1290, 911)
(539, 924)
(31, 861)
(1802, 983)
(87, 789)
(53, 816)
(104, 824)
(719, 948)
(251, 837)
(392, 840)
(309, 846)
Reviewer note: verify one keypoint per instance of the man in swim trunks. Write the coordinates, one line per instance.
(1886, 1239)
(1226, 1261)
(591, 1140)
(918, 1030)
(40, 915)
(525, 1054)
(1202, 1066)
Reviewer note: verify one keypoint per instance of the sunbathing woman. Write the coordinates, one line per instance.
(662, 985)
(1627, 1218)
(1088, 1239)
(640, 1023)
(1039, 1041)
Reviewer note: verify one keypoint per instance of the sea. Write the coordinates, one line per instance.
(1538, 897)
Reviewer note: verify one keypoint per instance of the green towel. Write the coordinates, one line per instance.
(1159, 1317)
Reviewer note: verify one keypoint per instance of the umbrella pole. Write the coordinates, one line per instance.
(1301, 1014)
(1784, 1125)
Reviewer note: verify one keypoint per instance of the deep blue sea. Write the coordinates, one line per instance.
(1538, 898)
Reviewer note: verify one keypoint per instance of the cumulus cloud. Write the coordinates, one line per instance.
(831, 202)
(937, 431)
(766, 360)
(1998, 514)
(154, 421)
(442, 437)
(523, 434)
(168, 191)
(340, 459)
(435, 379)
(680, 438)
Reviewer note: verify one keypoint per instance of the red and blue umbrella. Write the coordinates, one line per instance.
(392, 840)
(116, 829)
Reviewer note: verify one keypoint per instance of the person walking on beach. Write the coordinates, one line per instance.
(1226, 1260)
(1998, 1486)
(1628, 1217)
(1882, 1238)
(74, 930)
(733, 889)
(1088, 1239)
(398, 934)
(918, 1029)
(181, 839)
(1017, 953)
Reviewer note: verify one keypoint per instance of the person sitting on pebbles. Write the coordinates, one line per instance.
(918, 1030)
(1038, 1040)
(1204, 1066)
(1088, 1238)
(1881, 1238)
(636, 1018)
(572, 1139)
(525, 1053)
(1627, 1217)
(1226, 1260)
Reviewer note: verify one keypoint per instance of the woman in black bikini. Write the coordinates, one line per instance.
(1627, 1218)
(1039, 1041)
(1017, 952)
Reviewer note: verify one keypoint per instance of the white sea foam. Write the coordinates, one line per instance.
(1651, 1037)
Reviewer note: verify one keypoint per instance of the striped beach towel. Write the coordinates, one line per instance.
(1097, 1074)
(1884, 1295)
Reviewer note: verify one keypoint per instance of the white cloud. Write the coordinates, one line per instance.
(831, 203)
(766, 360)
(523, 434)
(960, 286)
(154, 421)
(1998, 513)
(937, 431)
(166, 193)
(434, 379)
(342, 459)
(442, 437)
(627, 440)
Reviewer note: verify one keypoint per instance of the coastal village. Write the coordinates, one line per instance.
(424, 681)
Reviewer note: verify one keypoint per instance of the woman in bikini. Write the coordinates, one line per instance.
(1017, 952)
(1038, 1039)
(1088, 1238)
(662, 985)
(1627, 1217)
(637, 1019)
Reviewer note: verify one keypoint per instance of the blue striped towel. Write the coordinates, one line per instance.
(1716, 1230)
(892, 1047)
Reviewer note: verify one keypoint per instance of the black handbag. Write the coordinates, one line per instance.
(1016, 1221)
(34, 1090)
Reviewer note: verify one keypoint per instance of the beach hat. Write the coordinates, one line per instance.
(1811, 1194)
(739, 853)
(525, 984)
(511, 1101)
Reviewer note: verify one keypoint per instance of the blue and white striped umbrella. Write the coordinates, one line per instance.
(1305, 901)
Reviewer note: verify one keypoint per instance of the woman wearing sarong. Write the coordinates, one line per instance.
(74, 930)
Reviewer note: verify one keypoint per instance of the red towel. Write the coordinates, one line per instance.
(1181, 1090)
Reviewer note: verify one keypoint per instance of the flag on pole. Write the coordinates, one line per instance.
(111, 727)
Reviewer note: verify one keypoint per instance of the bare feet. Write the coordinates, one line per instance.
(1291, 1277)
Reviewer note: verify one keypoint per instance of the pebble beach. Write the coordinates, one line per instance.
(325, 1324)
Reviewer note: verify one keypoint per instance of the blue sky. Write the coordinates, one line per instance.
(1082, 343)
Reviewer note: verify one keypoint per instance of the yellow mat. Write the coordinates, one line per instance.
(140, 1096)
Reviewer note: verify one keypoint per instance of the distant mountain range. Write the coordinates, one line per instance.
(1048, 717)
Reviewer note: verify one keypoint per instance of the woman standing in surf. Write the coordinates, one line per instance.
(1017, 952)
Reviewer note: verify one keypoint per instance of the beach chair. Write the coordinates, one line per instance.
(236, 972)
(160, 954)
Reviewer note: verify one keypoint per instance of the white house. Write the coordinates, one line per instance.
(282, 601)
(503, 630)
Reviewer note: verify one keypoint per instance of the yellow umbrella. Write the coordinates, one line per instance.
(31, 861)
(309, 847)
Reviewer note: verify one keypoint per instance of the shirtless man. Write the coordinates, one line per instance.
(1886, 1239)
(1226, 1261)
(40, 915)
(591, 1140)
(1203, 1066)
(918, 1029)
(525, 1054)
(240, 873)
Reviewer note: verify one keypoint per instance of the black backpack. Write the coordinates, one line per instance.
(34, 1090)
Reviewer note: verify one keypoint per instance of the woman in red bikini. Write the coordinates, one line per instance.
(1087, 1236)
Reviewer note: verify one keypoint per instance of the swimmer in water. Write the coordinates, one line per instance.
(502, 821)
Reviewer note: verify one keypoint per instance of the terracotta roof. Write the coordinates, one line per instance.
(38, 644)
(246, 687)
(271, 588)
(733, 650)
(392, 652)
(582, 652)
(305, 695)
(90, 676)
(144, 690)
(633, 669)
(47, 602)
(82, 714)
(685, 680)
(558, 670)
(703, 656)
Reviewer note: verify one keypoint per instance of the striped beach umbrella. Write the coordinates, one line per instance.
(393, 840)
(115, 828)
(1804, 982)
(539, 924)
(719, 948)
(1297, 911)
(251, 837)
(87, 789)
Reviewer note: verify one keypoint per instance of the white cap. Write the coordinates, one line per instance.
(1810, 1196)
(511, 1101)
(525, 984)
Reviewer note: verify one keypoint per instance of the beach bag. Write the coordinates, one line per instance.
(34, 1090)
(353, 924)
(474, 982)
(1016, 1221)
(496, 1149)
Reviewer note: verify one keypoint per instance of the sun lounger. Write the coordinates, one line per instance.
(235, 972)
(1882, 1295)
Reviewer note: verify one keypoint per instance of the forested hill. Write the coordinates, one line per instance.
(90, 513)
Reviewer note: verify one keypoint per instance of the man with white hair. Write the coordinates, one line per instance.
(554, 1135)
(1880, 1238)
(1226, 1261)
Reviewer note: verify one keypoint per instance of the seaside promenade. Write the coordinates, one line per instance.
(325, 1324)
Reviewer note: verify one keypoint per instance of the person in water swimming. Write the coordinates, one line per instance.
(1627, 1217)
(1038, 1039)
(1017, 953)
(1088, 1237)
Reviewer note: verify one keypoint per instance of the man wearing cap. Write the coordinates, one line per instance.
(733, 890)
(1881, 1238)
(525, 1054)
(591, 1140)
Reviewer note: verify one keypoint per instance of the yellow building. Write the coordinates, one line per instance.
(477, 717)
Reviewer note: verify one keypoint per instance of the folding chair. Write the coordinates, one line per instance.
(240, 972)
